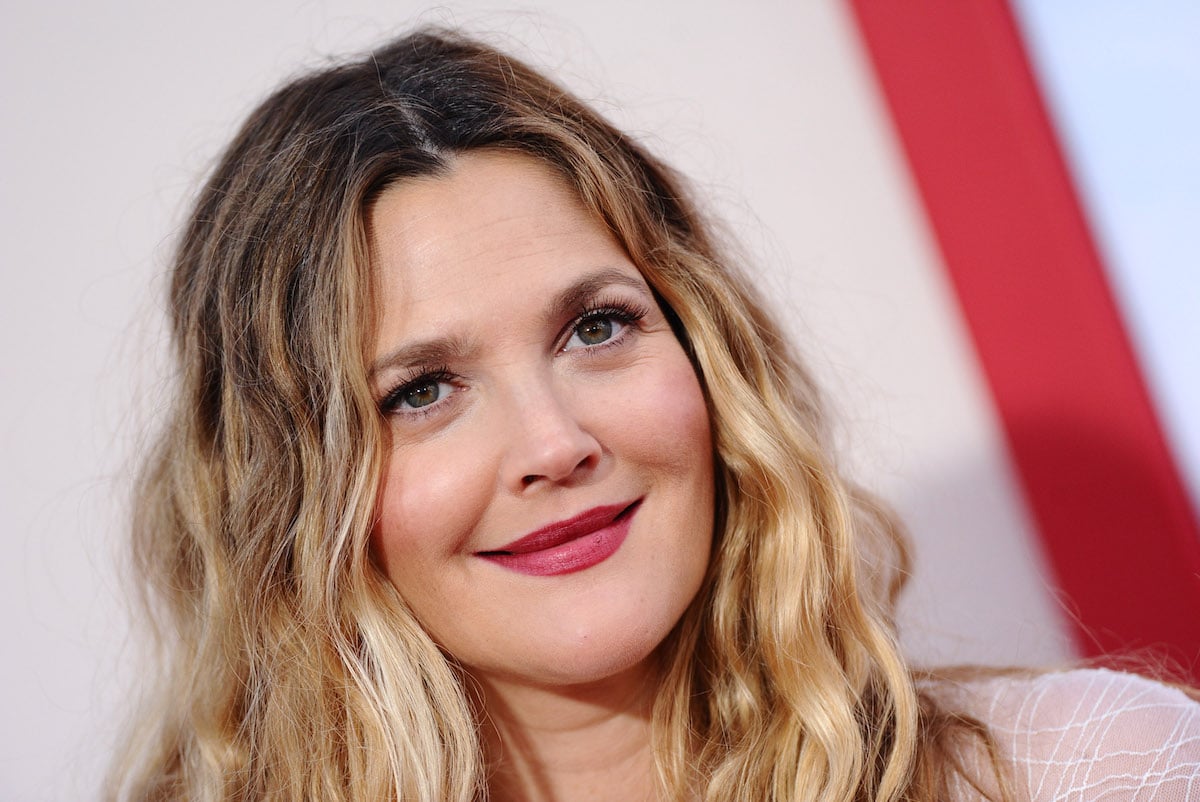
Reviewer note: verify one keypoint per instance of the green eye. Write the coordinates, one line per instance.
(594, 331)
(422, 395)
(601, 326)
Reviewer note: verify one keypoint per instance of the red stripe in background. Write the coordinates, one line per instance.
(1115, 521)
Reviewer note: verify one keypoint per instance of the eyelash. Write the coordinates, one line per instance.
(390, 403)
(623, 312)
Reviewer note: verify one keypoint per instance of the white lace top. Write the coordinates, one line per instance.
(1089, 735)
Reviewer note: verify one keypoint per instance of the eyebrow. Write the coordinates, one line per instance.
(423, 352)
(567, 302)
(572, 298)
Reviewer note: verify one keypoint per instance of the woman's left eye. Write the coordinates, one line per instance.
(596, 329)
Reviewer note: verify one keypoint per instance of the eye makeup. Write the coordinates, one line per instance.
(600, 320)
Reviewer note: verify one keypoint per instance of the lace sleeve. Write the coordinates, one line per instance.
(1085, 736)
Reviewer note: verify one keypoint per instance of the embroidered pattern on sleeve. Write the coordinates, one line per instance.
(1092, 736)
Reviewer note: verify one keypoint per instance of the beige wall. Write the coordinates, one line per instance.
(111, 115)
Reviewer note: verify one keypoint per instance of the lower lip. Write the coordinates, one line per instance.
(574, 555)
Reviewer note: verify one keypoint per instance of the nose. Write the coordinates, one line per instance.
(549, 443)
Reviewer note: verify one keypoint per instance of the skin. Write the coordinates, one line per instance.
(528, 375)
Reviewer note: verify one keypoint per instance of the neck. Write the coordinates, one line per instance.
(555, 744)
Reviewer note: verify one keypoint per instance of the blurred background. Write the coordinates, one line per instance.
(875, 166)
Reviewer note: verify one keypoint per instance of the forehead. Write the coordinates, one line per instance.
(473, 243)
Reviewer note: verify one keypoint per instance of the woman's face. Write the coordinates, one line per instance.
(547, 506)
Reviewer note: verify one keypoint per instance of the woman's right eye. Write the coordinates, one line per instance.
(417, 395)
(422, 395)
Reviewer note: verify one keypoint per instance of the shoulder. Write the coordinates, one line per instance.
(1090, 734)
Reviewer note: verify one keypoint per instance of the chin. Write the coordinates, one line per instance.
(628, 646)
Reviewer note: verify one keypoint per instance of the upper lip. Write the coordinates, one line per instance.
(559, 532)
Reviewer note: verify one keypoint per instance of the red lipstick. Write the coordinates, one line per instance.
(570, 545)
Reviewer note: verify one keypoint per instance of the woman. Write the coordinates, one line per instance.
(489, 477)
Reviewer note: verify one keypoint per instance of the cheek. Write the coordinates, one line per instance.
(670, 423)
(428, 505)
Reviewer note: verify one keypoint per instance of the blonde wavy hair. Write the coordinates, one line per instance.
(292, 668)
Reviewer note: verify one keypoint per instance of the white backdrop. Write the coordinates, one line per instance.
(113, 111)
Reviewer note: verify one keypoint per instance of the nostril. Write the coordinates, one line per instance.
(558, 461)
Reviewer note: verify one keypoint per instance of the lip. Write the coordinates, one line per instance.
(570, 545)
